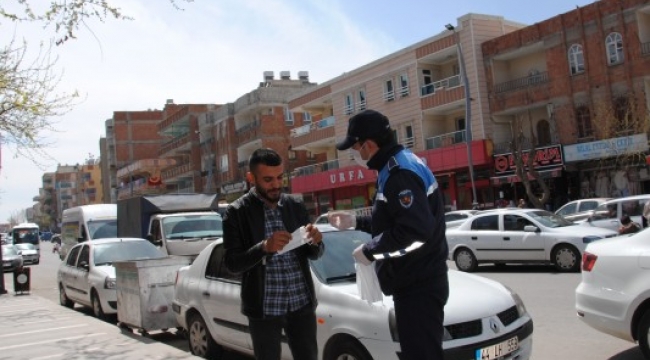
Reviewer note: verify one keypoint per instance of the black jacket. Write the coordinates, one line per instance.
(399, 226)
(243, 232)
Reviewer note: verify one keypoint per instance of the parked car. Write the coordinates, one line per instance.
(579, 210)
(29, 253)
(455, 218)
(87, 275)
(608, 214)
(614, 293)
(504, 236)
(207, 305)
(11, 258)
(3, 238)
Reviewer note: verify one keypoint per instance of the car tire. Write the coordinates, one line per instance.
(643, 334)
(347, 350)
(63, 298)
(200, 340)
(566, 258)
(97, 306)
(465, 260)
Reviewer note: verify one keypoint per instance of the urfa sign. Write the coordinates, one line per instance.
(544, 157)
(347, 176)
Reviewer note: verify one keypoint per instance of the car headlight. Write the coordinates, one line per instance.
(109, 283)
(588, 239)
(521, 309)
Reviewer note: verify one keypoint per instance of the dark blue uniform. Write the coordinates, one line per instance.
(408, 207)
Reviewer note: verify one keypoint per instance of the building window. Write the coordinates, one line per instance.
(361, 105)
(291, 154)
(623, 115)
(306, 117)
(583, 121)
(403, 85)
(427, 82)
(409, 140)
(288, 117)
(614, 45)
(543, 133)
(348, 107)
(224, 163)
(576, 59)
(389, 90)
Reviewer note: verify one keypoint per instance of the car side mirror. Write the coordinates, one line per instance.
(20, 252)
(531, 228)
(84, 265)
(157, 242)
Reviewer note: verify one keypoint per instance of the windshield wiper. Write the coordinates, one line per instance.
(346, 277)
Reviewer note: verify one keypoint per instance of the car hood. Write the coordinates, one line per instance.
(584, 229)
(107, 270)
(29, 252)
(11, 257)
(465, 290)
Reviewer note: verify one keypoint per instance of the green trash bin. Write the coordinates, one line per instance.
(21, 280)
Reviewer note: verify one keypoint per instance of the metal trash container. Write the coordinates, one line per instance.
(21, 280)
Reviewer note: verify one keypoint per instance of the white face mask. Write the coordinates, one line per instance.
(356, 155)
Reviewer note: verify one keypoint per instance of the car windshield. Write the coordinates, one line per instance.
(549, 219)
(337, 263)
(25, 235)
(193, 226)
(25, 247)
(106, 254)
(9, 250)
(102, 229)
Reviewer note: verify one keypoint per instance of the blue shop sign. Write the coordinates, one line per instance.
(606, 148)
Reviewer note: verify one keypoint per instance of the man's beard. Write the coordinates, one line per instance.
(272, 198)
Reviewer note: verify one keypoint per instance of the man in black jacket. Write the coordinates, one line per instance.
(407, 208)
(277, 289)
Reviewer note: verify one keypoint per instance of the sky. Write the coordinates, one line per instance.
(214, 51)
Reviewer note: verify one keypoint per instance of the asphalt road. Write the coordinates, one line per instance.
(548, 296)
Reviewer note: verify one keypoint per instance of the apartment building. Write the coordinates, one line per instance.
(422, 90)
(576, 87)
(260, 118)
(46, 202)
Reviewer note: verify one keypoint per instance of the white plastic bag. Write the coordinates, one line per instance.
(299, 238)
(367, 283)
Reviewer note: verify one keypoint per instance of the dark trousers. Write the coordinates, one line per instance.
(419, 312)
(300, 328)
(644, 222)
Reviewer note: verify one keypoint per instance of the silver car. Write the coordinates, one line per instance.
(11, 258)
(29, 253)
(579, 210)
(207, 304)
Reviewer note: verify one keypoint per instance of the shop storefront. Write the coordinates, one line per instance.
(609, 168)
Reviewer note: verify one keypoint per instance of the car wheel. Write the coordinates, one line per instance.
(347, 350)
(643, 334)
(465, 260)
(97, 306)
(566, 258)
(200, 340)
(63, 298)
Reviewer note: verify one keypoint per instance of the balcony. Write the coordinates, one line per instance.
(447, 139)
(316, 168)
(449, 82)
(523, 82)
(249, 131)
(167, 126)
(137, 187)
(173, 175)
(314, 134)
(180, 142)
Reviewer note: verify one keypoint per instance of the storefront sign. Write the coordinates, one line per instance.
(341, 177)
(233, 187)
(546, 157)
(606, 148)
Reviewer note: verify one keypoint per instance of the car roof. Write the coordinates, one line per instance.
(626, 198)
(112, 240)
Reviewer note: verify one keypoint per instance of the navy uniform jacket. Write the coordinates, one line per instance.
(403, 213)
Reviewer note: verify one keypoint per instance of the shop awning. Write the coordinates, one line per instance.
(544, 174)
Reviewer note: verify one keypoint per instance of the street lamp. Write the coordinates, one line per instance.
(468, 114)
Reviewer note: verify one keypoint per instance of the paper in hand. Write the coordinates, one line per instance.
(299, 237)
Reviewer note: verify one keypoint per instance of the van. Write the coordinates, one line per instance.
(26, 233)
(87, 222)
(608, 214)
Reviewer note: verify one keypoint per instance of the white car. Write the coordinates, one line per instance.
(457, 217)
(11, 258)
(614, 294)
(87, 275)
(207, 305)
(29, 252)
(579, 210)
(608, 214)
(504, 236)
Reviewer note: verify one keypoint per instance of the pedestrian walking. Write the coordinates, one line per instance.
(277, 290)
(408, 207)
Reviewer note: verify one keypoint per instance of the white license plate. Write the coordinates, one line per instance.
(499, 350)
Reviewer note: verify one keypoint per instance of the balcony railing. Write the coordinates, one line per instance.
(316, 168)
(251, 125)
(645, 48)
(305, 129)
(449, 82)
(523, 82)
(176, 171)
(447, 139)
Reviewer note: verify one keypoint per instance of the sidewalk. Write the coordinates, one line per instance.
(32, 327)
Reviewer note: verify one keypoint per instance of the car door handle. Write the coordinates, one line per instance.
(206, 294)
(474, 238)
(506, 238)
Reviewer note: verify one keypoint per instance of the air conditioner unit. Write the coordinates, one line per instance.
(285, 75)
(268, 75)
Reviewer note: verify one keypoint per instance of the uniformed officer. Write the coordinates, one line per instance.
(408, 207)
